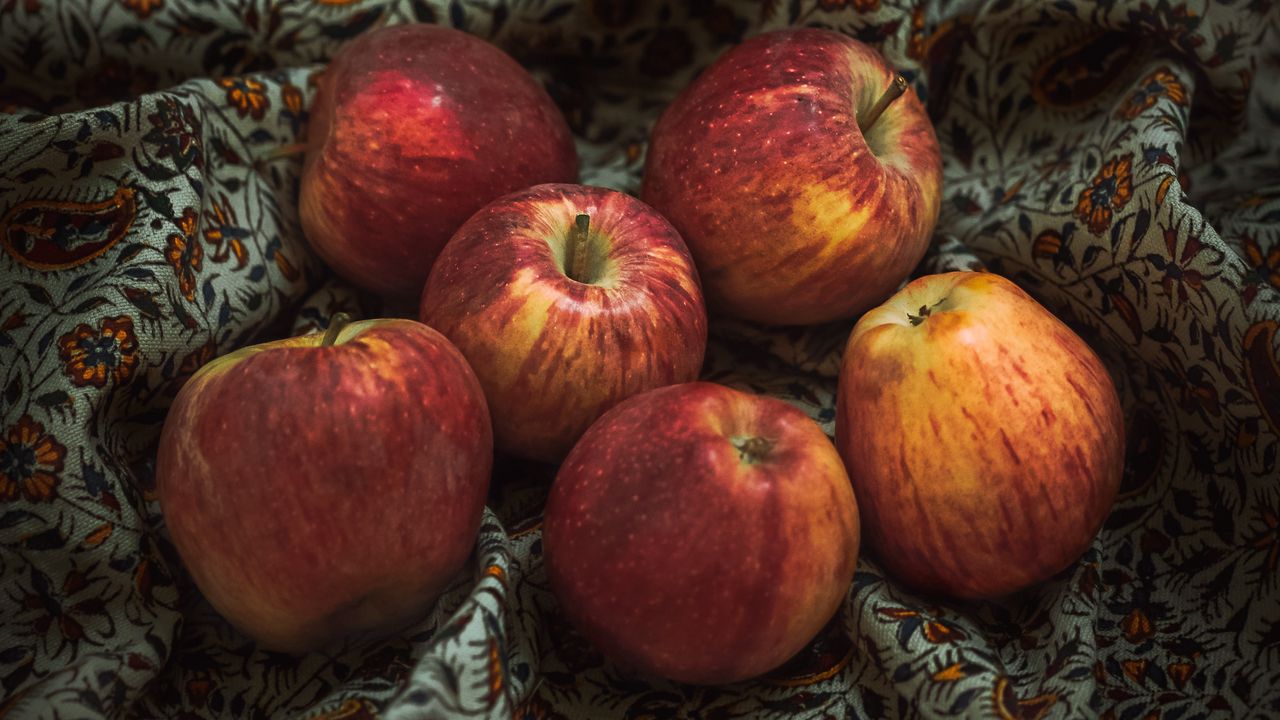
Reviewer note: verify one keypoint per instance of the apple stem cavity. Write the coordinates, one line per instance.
(336, 324)
(754, 449)
(895, 90)
(578, 248)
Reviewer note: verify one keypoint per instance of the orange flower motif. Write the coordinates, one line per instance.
(292, 97)
(246, 95)
(1136, 627)
(184, 253)
(92, 356)
(1180, 673)
(1266, 266)
(1158, 84)
(1009, 706)
(934, 631)
(1047, 244)
(351, 709)
(30, 461)
(225, 235)
(917, 44)
(1109, 192)
(1136, 670)
(143, 8)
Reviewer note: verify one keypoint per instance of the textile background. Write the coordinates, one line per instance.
(1119, 159)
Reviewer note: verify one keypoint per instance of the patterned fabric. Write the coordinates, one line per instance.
(1117, 158)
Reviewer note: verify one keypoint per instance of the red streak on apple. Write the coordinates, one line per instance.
(684, 552)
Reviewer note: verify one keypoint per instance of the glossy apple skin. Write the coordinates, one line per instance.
(985, 444)
(679, 558)
(790, 216)
(320, 492)
(553, 353)
(413, 129)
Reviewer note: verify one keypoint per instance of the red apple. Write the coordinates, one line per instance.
(794, 213)
(316, 491)
(701, 534)
(413, 129)
(553, 345)
(983, 437)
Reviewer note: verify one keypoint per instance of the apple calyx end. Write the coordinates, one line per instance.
(896, 88)
(924, 312)
(285, 151)
(754, 450)
(336, 324)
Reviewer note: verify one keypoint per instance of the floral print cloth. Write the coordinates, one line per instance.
(1117, 158)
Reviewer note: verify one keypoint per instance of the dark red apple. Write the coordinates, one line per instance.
(700, 533)
(806, 193)
(323, 486)
(553, 345)
(413, 129)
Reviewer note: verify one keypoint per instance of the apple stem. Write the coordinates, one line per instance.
(578, 248)
(336, 324)
(893, 92)
(754, 449)
(285, 151)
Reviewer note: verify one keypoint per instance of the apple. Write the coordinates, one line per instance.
(413, 129)
(700, 533)
(565, 300)
(806, 193)
(983, 437)
(327, 485)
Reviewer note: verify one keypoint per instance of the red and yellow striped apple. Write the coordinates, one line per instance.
(700, 533)
(983, 437)
(413, 129)
(558, 324)
(323, 486)
(806, 193)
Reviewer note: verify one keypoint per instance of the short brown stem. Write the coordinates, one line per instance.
(336, 324)
(893, 92)
(578, 248)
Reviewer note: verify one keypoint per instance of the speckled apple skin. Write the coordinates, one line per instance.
(762, 168)
(413, 129)
(986, 443)
(677, 558)
(320, 492)
(553, 353)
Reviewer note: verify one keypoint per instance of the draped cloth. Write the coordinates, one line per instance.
(1118, 159)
